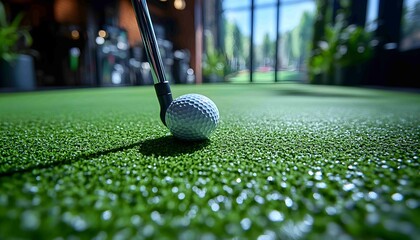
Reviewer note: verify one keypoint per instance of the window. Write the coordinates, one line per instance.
(372, 15)
(262, 40)
(410, 36)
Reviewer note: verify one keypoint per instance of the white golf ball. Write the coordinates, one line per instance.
(192, 117)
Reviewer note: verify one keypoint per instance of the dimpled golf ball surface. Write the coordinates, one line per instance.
(192, 117)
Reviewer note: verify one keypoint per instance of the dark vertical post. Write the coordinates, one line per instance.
(276, 66)
(219, 24)
(335, 7)
(358, 13)
(198, 27)
(388, 33)
(251, 50)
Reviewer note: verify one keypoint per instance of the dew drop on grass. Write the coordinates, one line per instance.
(259, 199)
(30, 220)
(321, 185)
(318, 175)
(283, 184)
(136, 220)
(156, 217)
(372, 218)
(372, 195)
(412, 203)
(106, 215)
(275, 216)
(348, 187)
(316, 196)
(214, 206)
(289, 202)
(227, 189)
(4, 200)
(148, 230)
(397, 197)
(331, 210)
(181, 196)
(246, 224)
(239, 200)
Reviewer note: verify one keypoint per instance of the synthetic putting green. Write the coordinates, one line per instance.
(287, 162)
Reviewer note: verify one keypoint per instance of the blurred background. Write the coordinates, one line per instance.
(91, 43)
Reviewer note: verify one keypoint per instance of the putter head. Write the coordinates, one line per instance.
(164, 95)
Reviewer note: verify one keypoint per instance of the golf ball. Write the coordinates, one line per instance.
(192, 117)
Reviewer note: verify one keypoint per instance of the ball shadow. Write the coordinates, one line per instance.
(170, 146)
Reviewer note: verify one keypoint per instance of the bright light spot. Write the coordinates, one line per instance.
(179, 4)
(100, 40)
(75, 51)
(75, 34)
(116, 77)
(122, 46)
(102, 33)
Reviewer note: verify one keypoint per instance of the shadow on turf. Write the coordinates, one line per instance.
(81, 157)
(169, 146)
(163, 146)
(299, 93)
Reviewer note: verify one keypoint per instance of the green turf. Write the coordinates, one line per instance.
(287, 161)
(267, 77)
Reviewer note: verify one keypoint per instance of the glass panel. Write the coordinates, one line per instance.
(372, 15)
(236, 43)
(264, 44)
(236, 4)
(296, 29)
(410, 37)
(265, 2)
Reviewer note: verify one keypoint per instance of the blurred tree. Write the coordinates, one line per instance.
(237, 46)
(411, 20)
(268, 50)
(305, 29)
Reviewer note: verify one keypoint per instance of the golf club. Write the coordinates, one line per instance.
(163, 90)
(189, 117)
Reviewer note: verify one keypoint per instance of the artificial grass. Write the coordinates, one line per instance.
(287, 161)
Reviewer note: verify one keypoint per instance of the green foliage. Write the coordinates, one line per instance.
(10, 35)
(214, 64)
(342, 45)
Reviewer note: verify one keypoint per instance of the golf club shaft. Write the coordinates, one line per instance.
(163, 90)
(149, 40)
